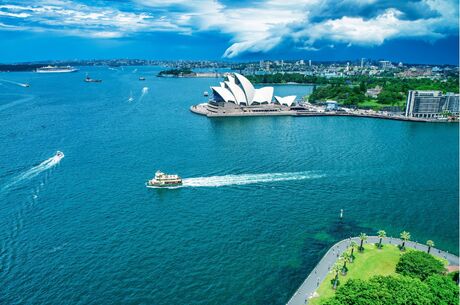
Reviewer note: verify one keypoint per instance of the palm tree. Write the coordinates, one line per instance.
(353, 244)
(405, 236)
(345, 257)
(381, 234)
(430, 244)
(336, 269)
(363, 237)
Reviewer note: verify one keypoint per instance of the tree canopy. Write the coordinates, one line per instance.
(383, 290)
(419, 264)
(420, 282)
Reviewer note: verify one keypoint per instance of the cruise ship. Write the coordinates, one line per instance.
(56, 69)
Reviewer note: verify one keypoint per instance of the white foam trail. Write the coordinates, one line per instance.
(16, 102)
(34, 171)
(216, 181)
(14, 83)
(145, 90)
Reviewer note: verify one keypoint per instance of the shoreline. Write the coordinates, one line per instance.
(321, 270)
(201, 109)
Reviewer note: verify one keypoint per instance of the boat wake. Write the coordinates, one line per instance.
(217, 181)
(16, 102)
(36, 170)
(14, 83)
(144, 92)
(9, 248)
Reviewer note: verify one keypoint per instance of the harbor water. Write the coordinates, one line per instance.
(259, 207)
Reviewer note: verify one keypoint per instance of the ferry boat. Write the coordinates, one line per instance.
(56, 69)
(163, 180)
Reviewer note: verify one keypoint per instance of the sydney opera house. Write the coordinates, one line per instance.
(236, 95)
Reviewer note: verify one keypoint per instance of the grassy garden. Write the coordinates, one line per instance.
(370, 262)
(388, 274)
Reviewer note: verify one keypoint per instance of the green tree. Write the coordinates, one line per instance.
(383, 290)
(362, 237)
(346, 258)
(445, 290)
(405, 236)
(381, 234)
(419, 264)
(336, 269)
(362, 87)
(353, 245)
(430, 244)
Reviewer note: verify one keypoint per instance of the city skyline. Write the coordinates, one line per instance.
(412, 32)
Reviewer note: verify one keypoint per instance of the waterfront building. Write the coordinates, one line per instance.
(451, 103)
(238, 90)
(236, 94)
(431, 104)
(332, 106)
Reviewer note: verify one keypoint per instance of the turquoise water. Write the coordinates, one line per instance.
(259, 207)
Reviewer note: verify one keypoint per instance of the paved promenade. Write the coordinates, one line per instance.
(202, 109)
(321, 270)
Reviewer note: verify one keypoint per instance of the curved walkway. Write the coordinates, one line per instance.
(321, 270)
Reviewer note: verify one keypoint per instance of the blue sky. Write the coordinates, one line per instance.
(413, 31)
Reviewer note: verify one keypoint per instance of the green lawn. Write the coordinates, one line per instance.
(377, 106)
(367, 264)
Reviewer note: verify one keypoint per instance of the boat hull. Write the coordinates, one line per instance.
(57, 71)
(159, 186)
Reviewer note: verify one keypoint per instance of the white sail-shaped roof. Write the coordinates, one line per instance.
(224, 94)
(231, 78)
(286, 100)
(248, 88)
(237, 92)
(263, 95)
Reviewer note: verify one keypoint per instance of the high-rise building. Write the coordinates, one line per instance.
(309, 62)
(386, 64)
(431, 104)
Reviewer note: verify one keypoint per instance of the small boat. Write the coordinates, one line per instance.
(205, 93)
(59, 155)
(91, 80)
(25, 85)
(163, 180)
(131, 98)
(141, 78)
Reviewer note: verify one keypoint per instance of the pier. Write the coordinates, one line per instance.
(209, 111)
(321, 270)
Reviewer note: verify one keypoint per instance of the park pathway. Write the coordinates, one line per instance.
(314, 279)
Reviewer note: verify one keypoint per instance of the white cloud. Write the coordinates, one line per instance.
(81, 20)
(306, 24)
